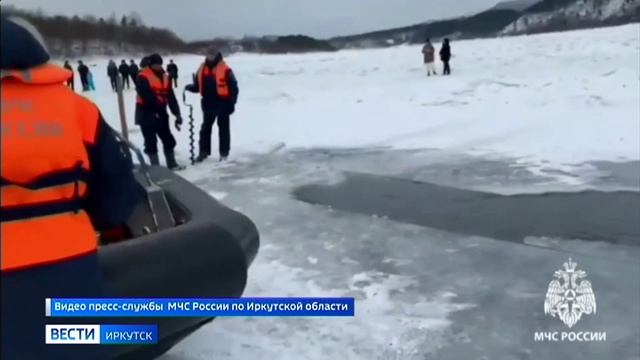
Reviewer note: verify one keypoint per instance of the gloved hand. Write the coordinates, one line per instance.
(232, 108)
(178, 122)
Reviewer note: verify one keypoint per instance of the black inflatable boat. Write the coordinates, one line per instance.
(180, 242)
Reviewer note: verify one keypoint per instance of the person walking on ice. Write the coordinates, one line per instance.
(133, 71)
(90, 85)
(83, 70)
(172, 70)
(445, 56)
(124, 72)
(429, 57)
(112, 72)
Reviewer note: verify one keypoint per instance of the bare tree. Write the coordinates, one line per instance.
(90, 19)
(112, 19)
(135, 19)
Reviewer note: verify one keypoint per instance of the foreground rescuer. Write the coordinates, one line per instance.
(64, 176)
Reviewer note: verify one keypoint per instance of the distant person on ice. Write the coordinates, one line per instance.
(133, 70)
(70, 82)
(219, 90)
(429, 57)
(124, 72)
(83, 71)
(154, 95)
(112, 72)
(90, 84)
(172, 69)
(445, 56)
(144, 62)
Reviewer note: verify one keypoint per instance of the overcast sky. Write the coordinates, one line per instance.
(205, 19)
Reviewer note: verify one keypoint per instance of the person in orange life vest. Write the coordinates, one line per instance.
(64, 177)
(143, 64)
(70, 82)
(154, 95)
(219, 90)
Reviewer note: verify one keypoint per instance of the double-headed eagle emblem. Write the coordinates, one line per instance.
(568, 296)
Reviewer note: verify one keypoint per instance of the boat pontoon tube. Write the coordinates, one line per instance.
(207, 254)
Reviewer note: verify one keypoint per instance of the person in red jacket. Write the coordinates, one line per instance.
(65, 176)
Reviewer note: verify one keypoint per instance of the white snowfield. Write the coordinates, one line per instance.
(551, 102)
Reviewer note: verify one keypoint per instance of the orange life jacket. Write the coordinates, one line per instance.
(160, 86)
(45, 165)
(220, 74)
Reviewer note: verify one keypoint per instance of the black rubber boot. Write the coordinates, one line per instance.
(202, 157)
(153, 159)
(171, 160)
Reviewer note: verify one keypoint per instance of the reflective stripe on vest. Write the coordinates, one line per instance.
(45, 169)
(220, 75)
(159, 86)
(54, 193)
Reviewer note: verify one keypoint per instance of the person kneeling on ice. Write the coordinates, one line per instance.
(154, 94)
(219, 90)
(64, 176)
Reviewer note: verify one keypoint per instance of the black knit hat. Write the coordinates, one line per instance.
(154, 59)
(20, 48)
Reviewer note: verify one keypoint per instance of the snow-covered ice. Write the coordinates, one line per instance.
(551, 104)
(552, 99)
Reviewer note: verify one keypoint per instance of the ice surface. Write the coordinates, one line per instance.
(522, 114)
(421, 293)
(552, 99)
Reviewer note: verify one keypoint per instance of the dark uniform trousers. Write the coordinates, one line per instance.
(23, 308)
(224, 135)
(155, 125)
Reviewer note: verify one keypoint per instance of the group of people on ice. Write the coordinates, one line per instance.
(214, 81)
(130, 71)
(125, 71)
(86, 77)
(154, 85)
(429, 55)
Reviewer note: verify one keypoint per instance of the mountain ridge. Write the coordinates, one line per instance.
(504, 19)
(72, 37)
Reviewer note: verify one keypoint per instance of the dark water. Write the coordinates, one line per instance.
(588, 215)
(452, 198)
(506, 281)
